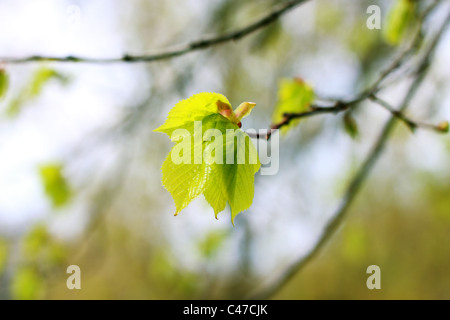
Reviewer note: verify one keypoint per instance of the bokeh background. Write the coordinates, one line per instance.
(80, 179)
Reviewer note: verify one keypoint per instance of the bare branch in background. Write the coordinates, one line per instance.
(200, 44)
(401, 116)
(340, 105)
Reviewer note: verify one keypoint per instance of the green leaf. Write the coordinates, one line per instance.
(195, 108)
(41, 78)
(55, 184)
(212, 242)
(350, 125)
(4, 83)
(294, 96)
(27, 284)
(212, 156)
(36, 241)
(398, 20)
(34, 87)
(39, 246)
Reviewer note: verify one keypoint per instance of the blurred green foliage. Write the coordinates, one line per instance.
(294, 96)
(27, 284)
(39, 245)
(55, 184)
(398, 21)
(4, 83)
(33, 88)
(41, 258)
(408, 242)
(212, 243)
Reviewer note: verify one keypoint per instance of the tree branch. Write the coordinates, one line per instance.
(200, 44)
(361, 175)
(374, 88)
(412, 125)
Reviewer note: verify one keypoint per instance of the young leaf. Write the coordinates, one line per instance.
(4, 82)
(212, 156)
(35, 241)
(350, 125)
(210, 244)
(398, 21)
(37, 82)
(55, 184)
(294, 96)
(39, 246)
(41, 77)
(244, 110)
(27, 284)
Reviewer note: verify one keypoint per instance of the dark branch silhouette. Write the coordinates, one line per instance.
(197, 45)
(369, 93)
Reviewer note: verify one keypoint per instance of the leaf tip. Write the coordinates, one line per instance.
(225, 110)
(158, 129)
(233, 217)
(244, 109)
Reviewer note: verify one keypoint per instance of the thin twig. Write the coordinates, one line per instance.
(200, 44)
(337, 107)
(360, 176)
(412, 125)
(375, 87)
